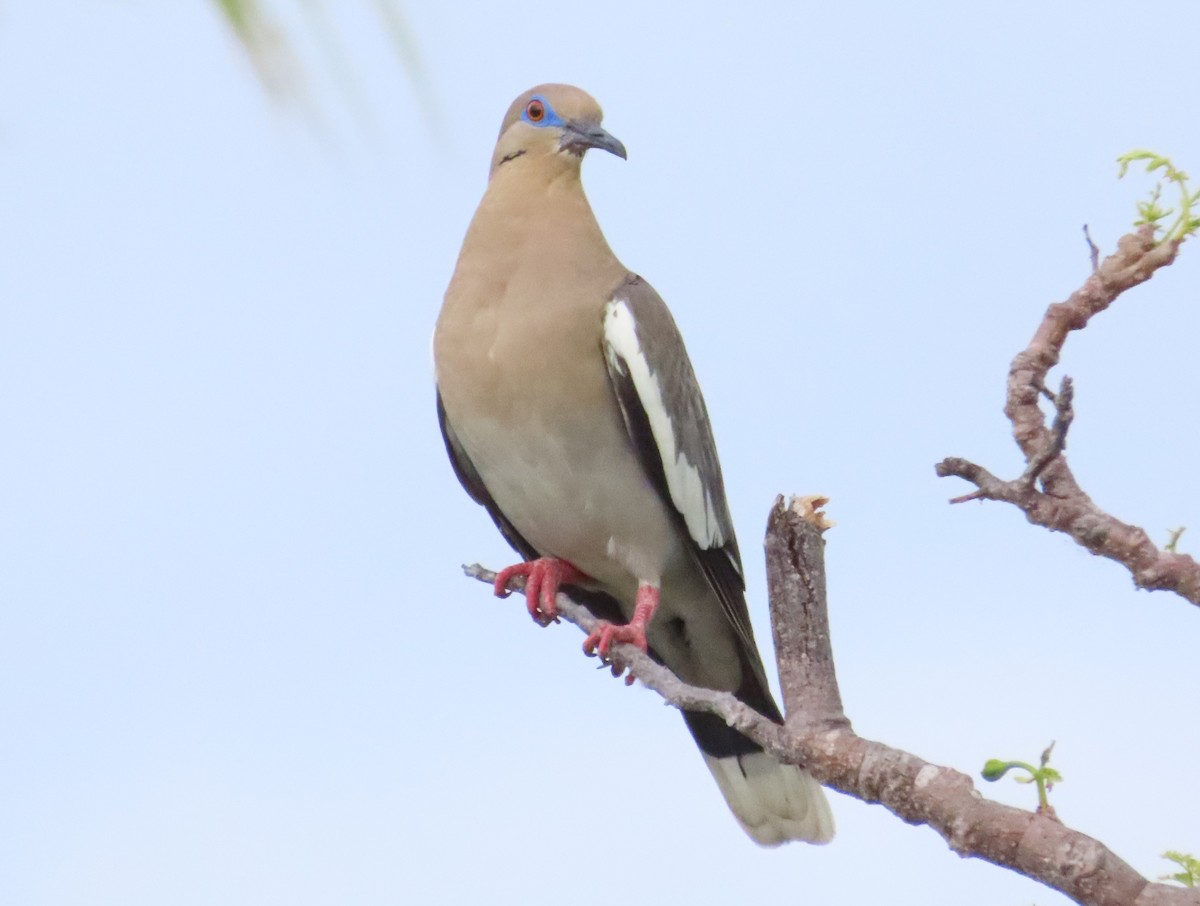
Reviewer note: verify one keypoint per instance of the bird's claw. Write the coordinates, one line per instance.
(542, 580)
(605, 634)
(601, 639)
(617, 667)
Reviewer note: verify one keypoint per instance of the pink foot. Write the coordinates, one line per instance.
(601, 639)
(607, 634)
(542, 580)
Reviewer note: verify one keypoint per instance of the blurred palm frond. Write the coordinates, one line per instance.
(281, 72)
(266, 46)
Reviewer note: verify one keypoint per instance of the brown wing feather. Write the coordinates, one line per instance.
(662, 347)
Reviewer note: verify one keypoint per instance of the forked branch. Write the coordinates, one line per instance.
(1047, 492)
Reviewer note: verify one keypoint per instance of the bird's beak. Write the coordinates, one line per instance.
(577, 137)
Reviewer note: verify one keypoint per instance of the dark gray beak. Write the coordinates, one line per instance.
(578, 137)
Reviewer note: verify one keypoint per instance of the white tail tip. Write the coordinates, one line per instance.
(773, 802)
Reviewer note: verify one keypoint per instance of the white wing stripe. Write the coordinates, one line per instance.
(688, 492)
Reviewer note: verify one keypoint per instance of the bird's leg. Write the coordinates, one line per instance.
(605, 635)
(543, 576)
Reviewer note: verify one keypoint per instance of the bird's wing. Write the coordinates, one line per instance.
(667, 423)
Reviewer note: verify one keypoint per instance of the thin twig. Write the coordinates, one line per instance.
(652, 674)
(1093, 249)
(967, 498)
(1064, 414)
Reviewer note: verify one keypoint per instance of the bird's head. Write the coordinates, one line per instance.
(554, 124)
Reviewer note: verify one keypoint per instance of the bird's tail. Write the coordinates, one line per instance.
(773, 802)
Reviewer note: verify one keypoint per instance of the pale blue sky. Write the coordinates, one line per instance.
(238, 663)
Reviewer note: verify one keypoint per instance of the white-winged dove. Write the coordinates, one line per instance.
(571, 413)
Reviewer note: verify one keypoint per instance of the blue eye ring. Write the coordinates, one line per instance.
(538, 112)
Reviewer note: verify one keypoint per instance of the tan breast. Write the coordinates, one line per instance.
(521, 371)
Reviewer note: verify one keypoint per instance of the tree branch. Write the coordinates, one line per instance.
(795, 550)
(821, 739)
(1061, 504)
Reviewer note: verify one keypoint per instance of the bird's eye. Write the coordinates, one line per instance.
(535, 110)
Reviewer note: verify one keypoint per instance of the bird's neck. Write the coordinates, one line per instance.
(527, 206)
